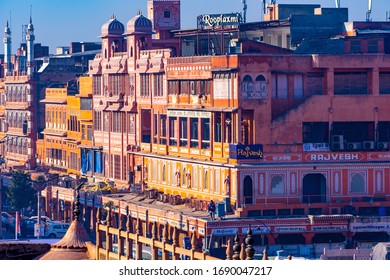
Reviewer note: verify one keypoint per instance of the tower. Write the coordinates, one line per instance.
(7, 50)
(165, 16)
(30, 48)
(112, 38)
(139, 35)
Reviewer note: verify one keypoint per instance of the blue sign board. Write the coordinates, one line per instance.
(246, 151)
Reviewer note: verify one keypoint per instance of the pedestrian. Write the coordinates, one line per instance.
(211, 209)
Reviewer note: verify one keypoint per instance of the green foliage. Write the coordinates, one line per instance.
(21, 193)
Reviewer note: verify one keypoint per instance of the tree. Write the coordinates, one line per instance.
(21, 194)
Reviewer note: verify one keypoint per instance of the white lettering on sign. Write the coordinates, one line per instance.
(290, 229)
(329, 228)
(370, 227)
(224, 231)
(334, 157)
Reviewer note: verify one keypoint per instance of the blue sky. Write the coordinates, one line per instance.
(58, 22)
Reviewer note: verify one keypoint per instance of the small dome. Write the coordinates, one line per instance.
(139, 25)
(7, 30)
(30, 26)
(113, 27)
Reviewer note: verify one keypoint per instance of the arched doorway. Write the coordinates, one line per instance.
(314, 188)
(248, 191)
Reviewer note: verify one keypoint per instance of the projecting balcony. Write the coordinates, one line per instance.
(17, 105)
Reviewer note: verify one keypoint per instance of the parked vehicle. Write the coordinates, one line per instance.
(7, 220)
(44, 219)
(56, 229)
(27, 227)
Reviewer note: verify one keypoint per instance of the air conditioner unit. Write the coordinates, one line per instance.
(368, 145)
(353, 146)
(382, 146)
(337, 142)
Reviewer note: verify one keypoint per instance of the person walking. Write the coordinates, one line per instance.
(211, 209)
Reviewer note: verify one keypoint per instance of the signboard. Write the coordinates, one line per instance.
(364, 227)
(282, 158)
(289, 229)
(256, 230)
(334, 157)
(219, 20)
(246, 151)
(329, 228)
(189, 114)
(316, 147)
(224, 231)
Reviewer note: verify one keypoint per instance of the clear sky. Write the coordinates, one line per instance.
(58, 22)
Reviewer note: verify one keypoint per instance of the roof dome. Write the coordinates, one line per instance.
(7, 30)
(113, 27)
(139, 25)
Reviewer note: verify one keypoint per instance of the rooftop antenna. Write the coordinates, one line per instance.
(387, 15)
(337, 3)
(245, 8)
(368, 14)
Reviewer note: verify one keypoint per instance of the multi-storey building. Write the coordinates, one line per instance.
(26, 77)
(263, 131)
(68, 130)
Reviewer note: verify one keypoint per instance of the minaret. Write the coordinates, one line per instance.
(30, 48)
(7, 50)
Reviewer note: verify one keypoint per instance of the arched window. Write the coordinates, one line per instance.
(163, 173)
(247, 87)
(260, 87)
(206, 180)
(183, 175)
(277, 185)
(358, 183)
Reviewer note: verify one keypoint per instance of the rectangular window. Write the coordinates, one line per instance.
(116, 124)
(314, 83)
(279, 86)
(83, 132)
(167, 14)
(163, 129)
(315, 132)
(86, 103)
(350, 83)
(158, 85)
(184, 87)
(384, 83)
(117, 165)
(97, 82)
(194, 133)
(218, 128)
(372, 46)
(145, 85)
(172, 134)
(106, 123)
(183, 132)
(206, 133)
(355, 47)
(173, 87)
(131, 123)
(89, 133)
(298, 86)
